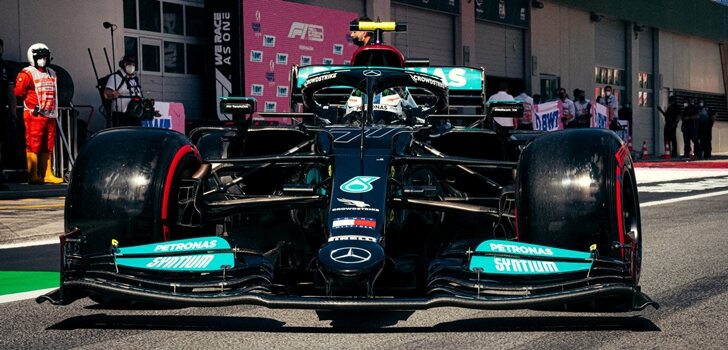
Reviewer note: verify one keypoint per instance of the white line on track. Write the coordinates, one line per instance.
(29, 244)
(681, 199)
(24, 295)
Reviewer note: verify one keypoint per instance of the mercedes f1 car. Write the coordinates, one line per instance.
(381, 208)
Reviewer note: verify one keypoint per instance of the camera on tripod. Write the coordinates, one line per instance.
(141, 108)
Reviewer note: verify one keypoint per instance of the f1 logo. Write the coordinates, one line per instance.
(359, 184)
(306, 31)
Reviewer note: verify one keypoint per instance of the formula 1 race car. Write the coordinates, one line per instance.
(378, 208)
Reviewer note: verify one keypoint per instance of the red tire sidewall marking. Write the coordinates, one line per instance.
(181, 153)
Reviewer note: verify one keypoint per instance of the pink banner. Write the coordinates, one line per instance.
(171, 116)
(278, 34)
(547, 116)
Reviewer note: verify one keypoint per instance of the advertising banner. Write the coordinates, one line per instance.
(224, 19)
(599, 116)
(547, 116)
(278, 34)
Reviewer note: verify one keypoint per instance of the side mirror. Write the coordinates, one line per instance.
(239, 107)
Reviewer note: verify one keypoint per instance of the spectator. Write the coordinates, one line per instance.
(706, 119)
(121, 88)
(672, 118)
(526, 122)
(503, 95)
(610, 101)
(625, 113)
(7, 110)
(569, 116)
(690, 130)
(536, 99)
(582, 106)
(37, 86)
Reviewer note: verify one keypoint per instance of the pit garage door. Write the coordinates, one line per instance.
(499, 49)
(610, 44)
(430, 34)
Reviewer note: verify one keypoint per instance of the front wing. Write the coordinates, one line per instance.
(185, 273)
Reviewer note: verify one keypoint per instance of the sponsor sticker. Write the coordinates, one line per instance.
(355, 222)
(353, 238)
(282, 58)
(270, 107)
(328, 60)
(256, 90)
(511, 266)
(338, 49)
(281, 91)
(256, 56)
(269, 41)
(305, 60)
(359, 184)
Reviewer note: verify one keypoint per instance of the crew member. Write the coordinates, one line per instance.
(361, 37)
(582, 107)
(569, 117)
(36, 86)
(121, 88)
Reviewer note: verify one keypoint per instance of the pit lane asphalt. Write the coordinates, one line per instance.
(685, 269)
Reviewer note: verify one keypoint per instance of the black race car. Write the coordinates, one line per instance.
(377, 208)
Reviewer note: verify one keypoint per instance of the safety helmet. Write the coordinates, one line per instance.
(36, 51)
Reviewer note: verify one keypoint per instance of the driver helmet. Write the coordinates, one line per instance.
(38, 52)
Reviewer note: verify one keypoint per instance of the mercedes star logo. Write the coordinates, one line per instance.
(371, 73)
(350, 255)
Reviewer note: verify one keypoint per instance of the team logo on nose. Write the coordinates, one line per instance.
(359, 184)
(350, 255)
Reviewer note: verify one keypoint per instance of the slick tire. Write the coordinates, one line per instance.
(576, 188)
(124, 187)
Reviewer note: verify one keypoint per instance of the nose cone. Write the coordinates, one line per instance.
(350, 262)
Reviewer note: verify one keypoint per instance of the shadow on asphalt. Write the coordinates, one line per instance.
(355, 323)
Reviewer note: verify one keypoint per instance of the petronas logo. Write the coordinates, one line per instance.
(359, 184)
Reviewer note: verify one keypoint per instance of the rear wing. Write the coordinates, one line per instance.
(466, 85)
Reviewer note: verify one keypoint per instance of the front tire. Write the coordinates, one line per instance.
(576, 188)
(124, 186)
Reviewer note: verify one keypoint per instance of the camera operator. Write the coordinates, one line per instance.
(123, 89)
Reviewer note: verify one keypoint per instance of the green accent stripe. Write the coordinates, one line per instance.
(25, 281)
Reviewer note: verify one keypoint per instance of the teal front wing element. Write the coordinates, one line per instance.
(511, 266)
(529, 250)
(457, 78)
(185, 245)
(516, 258)
(181, 263)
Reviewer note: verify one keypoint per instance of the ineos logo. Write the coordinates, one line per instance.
(350, 255)
(372, 73)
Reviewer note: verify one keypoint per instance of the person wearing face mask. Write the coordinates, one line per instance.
(36, 85)
(360, 37)
(582, 106)
(610, 101)
(121, 87)
(569, 117)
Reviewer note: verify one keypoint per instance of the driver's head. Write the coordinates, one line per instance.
(361, 37)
